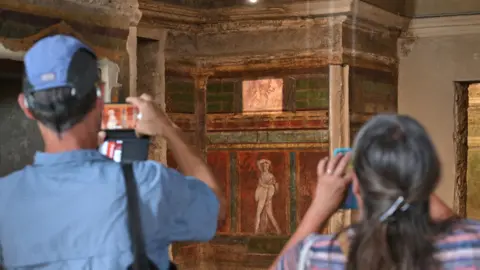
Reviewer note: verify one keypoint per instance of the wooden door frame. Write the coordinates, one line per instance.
(460, 139)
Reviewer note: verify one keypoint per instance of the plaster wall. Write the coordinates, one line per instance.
(426, 91)
(419, 8)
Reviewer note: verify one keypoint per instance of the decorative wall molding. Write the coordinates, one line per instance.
(107, 16)
(23, 44)
(297, 14)
(406, 43)
(445, 26)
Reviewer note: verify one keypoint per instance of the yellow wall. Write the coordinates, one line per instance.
(426, 91)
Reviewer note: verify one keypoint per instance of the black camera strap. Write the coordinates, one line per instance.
(135, 230)
(141, 261)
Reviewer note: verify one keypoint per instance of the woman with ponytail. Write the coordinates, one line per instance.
(402, 225)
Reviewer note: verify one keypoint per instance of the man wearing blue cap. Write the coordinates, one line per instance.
(68, 209)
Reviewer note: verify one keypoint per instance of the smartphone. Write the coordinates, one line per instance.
(350, 201)
(124, 146)
(119, 116)
(121, 142)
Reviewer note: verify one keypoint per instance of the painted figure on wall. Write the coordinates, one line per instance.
(112, 122)
(265, 95)
(119, 116)
(266, 189)
(263, 198)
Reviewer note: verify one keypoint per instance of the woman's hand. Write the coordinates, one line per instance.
(332, 183)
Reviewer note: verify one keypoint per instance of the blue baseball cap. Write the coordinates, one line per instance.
(60, 61)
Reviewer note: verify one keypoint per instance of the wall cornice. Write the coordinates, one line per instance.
(71, 11)
(248, 18)
(444, 26)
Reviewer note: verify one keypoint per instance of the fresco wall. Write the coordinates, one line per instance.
(266, 160)
(371, 92)
(263, 153)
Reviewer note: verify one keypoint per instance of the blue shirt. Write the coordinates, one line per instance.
(68, 211)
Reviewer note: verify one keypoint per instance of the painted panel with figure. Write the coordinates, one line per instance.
(219, 162)
(263, 189)
(306, 180)
(265, 95)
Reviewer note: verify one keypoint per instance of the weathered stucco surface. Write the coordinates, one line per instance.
(426, 91)
(297, 50)
(102, 24)
(443, 7)
(20, 137)
(112, 13)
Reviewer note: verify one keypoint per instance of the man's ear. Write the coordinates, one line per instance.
(22, 102)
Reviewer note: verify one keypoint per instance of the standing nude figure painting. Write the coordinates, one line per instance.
(112, 122)
(266, 189)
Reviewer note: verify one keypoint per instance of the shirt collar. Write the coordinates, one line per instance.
(42, 158)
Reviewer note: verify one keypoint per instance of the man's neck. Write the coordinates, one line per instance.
(58, 148)
(67, 142)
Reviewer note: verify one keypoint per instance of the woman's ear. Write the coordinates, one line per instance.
(356, 190)
(355, 187)
(22, 102)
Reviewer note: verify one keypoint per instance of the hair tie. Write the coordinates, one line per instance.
(399, 204)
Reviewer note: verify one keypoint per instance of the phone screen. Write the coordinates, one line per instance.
(119, 116)
(121, 143)
(350, 201)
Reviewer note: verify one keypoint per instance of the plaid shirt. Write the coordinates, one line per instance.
(460, 250)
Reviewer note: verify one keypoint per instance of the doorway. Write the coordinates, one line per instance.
(20, 137)
(467, 149)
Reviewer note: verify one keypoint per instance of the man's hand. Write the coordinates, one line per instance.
(152, 121)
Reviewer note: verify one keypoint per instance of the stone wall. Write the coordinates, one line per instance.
(20, 137)
(102, 25)
(179, 95)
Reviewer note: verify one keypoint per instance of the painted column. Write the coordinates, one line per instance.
(132, 59)
(339, 128)
(151, 80)
(201, 80)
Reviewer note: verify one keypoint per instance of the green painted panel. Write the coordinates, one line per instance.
(301, 104)
(279, 136)
(302, 94)
(214, 107)
(180, 96)
(212, 97)
(311, 83)
(180, 86)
